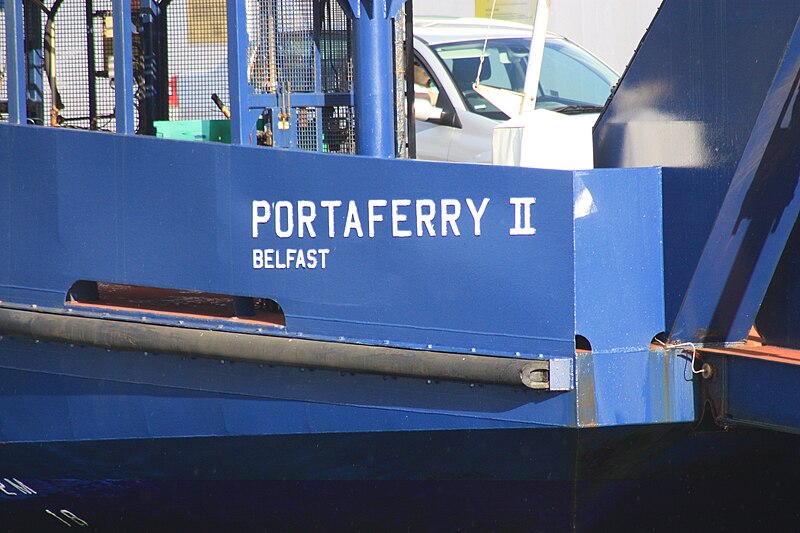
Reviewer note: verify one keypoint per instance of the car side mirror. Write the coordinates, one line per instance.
(424, 110)
(427, 112)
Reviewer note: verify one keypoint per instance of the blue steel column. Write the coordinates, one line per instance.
(754, 222)
(15, 59)
(373, 83)
(373, 73)
(34, 60)
(237, 71)
(123, 66)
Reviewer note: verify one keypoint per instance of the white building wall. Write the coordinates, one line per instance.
(611, 29)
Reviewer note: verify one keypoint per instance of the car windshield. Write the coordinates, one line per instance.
(571, 80)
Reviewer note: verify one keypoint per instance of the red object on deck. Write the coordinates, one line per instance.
(173, 92)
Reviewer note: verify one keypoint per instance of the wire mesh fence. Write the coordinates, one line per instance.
(70, 71)
(338, 130)
(304, 47)
(3, 68)
(180, 52)
(400, 96)
(306, 128)
(197, 55)
(75, 103)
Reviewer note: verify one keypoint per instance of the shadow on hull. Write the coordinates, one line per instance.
(659, 478)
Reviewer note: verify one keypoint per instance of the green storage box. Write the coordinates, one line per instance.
(194, 130)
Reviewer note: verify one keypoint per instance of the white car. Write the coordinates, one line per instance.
(458, 121)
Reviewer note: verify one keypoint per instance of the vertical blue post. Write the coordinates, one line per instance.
(237, 71)
(34, 61)
(123, 66)
(373, 72)
(15, 59)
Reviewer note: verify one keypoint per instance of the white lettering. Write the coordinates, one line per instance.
(284, 206)
(278, 263)
(19, 485)
(70, 515)
(477, 215)
(426, 219)
(270, 259)
(330, 205)
(304, 221)
(353, 220)
(373, 216)
(522, 216)
(398, 217)
(261, 214)
(48, 511)
(297, 219)
(75, 519)
(450, 217)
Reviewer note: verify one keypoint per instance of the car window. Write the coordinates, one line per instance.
(568, 79)
(425, 86)
(505, 62)
(570, 76)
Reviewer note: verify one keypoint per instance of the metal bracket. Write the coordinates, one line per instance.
(714, 389)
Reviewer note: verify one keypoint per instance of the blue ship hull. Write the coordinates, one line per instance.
(152, 442)
(652, 478)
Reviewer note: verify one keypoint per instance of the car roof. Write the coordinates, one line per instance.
(439, 30)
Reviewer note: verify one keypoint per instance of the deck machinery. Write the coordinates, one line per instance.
(254, 306)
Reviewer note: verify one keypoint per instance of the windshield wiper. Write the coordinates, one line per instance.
(578, 109)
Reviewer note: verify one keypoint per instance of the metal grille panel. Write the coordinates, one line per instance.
(336, 50)
(61, 60)
(72, 66)
(306, 127)
(197, 44)
(338, 130)
(296, 47)
(303, 47)
(3, 70)
(282, 46)
(400, 97)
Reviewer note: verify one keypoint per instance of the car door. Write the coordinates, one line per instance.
(472, 143)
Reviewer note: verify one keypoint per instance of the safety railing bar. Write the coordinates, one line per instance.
(15, 61)
(123, 66)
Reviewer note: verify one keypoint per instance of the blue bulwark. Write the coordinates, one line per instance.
(437, 256)
(619, 264)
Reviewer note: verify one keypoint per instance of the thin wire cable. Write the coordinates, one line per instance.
(683, 345)
(485, 42)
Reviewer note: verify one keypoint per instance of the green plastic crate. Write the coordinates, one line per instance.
(194, 130)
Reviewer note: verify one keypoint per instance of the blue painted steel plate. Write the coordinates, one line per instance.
(458, 257)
